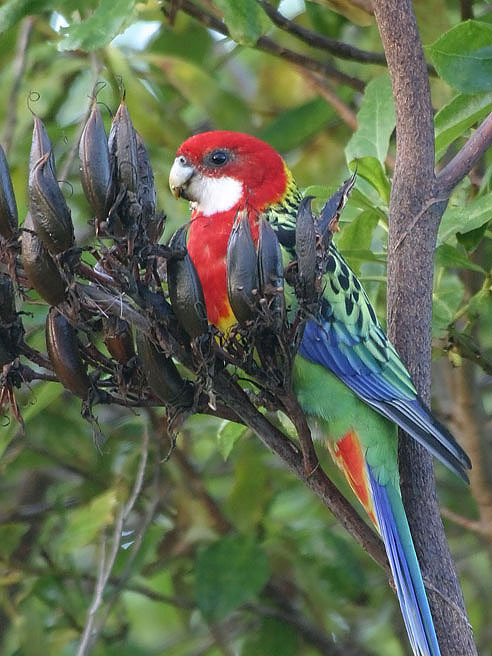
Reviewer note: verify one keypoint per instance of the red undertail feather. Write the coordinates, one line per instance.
(348, 455)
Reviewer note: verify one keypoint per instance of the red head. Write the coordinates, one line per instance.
(220, 170)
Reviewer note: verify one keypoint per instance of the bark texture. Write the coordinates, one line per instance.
(415, 212)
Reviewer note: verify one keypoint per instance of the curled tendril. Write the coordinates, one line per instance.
(32, 97)
(69, 184)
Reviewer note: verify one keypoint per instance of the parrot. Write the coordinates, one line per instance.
(348, 377)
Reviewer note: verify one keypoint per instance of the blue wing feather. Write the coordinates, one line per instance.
(348, 340)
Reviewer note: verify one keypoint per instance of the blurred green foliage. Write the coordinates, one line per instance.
(236, 556)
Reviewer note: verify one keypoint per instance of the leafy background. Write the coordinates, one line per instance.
(223, 552)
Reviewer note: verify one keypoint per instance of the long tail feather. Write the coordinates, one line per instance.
(405, 567)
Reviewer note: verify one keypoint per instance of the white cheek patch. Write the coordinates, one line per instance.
(213, 195)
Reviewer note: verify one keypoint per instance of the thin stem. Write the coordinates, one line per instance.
(268, 45)
(320, 41)
(19, 67)
(322, 87)
(94, 625)
(463, 162)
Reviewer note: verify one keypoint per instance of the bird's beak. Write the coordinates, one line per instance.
(179, 177)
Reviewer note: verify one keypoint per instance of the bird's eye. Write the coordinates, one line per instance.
(219, 157)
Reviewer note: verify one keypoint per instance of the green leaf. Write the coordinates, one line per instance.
(10, 536)
(108, 20)
(15, 10)
(251, 493)
(457, 116)
(373, 172)
(450, 257)
(294, 126)
(229, 573)
(245, 19)
(463, 219)
(376, 121)
(357, 236)
(85, 523)
(274, 637)
(471, 239)
(227, 436)
(445, 302)
(463, 57)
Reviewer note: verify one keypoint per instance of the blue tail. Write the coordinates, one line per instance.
(405, 567)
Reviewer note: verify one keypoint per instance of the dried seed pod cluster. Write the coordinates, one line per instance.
(127, 310)
(118, 182)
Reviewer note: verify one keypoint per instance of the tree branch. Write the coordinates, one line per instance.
(266, 44)
(320, 41)
(410, 275)
(463, 162)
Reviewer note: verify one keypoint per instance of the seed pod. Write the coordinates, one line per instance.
(39, 267)
(270, 268)
(118, 339)
(242, 270)
(146, 188)
(162, 375)
(50, 213)
(8, 206)
(95, 165)
(306, 249)
(328, 220)
(185, 289)
(123, 147)
(40, 145)
(7, 300)
(64, 353)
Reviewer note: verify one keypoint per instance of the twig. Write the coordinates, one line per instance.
(310, 633)
(466, 158)
(221, 523)
(19, 66)
(320, 41)
(469, 417)
(268, 45)
(469, 349)
(477, 526)
(466, 9)
(34, 510)
(347, 115)
(298, 418)
(93, 626)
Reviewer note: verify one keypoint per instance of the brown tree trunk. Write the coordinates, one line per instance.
(415, 212)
